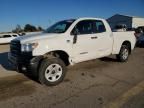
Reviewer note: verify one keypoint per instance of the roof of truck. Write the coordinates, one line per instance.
(83, 18)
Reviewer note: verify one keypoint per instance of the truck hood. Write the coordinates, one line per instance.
(35, 37)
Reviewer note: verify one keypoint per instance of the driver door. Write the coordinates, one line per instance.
(84, 48)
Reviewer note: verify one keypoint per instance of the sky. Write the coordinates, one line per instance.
(46, 12)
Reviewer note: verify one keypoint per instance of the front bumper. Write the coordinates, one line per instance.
(30, 63)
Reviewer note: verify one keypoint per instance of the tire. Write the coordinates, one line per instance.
(52, 71)
(124, 53)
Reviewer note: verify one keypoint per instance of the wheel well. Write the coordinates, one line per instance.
(128, 44)
(60, 54)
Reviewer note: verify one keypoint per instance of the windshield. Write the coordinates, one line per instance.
(60, 27)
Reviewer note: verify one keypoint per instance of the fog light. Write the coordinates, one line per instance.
(24, 68)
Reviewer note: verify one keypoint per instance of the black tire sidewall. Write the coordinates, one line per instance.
(45, 63)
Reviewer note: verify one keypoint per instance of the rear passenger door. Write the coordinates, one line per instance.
(104, 40)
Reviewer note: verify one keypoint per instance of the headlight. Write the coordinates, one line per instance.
(28, 47)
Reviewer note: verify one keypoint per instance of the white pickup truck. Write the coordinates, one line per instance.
(68, 42)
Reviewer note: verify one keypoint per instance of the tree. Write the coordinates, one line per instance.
(18, 29)
(39, 28)
(27, 28)
(30, 28)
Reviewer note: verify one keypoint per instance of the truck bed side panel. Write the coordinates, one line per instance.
(120, 37)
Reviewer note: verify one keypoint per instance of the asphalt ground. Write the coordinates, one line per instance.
(101, 83)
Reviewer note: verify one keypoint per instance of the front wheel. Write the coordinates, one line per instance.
(20, 69)
(124, 53)
(52, 71)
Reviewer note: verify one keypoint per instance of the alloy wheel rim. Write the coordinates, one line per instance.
(53, 72)
(125, 54)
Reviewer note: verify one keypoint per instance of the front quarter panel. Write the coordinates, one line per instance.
(62, 43)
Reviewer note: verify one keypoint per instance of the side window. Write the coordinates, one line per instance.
(84, 27)
(6, 36)
(14, 35)
(99, 27)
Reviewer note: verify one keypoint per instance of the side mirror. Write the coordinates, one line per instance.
(74, 33)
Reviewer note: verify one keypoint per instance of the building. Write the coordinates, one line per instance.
(129, 21)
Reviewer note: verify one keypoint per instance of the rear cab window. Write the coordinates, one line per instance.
(99, 26)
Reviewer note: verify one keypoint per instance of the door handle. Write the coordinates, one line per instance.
(68, 41)
(95, 37)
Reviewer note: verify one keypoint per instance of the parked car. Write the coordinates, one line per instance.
(120, 28)
(22, 34)
(6, 38)
(140, 41)
(141, 29)
(68, 42)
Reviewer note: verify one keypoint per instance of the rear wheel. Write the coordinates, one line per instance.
(52, 71)
(124, 53)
